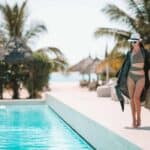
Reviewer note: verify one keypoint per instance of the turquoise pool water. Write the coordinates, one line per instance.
(36, 127)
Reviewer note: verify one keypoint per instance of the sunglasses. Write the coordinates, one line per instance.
(133, 42)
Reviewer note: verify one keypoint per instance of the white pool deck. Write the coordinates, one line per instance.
(104, 111)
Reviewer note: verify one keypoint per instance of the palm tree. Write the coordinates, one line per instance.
(137, 21)
(15, 27)
(115, 59)
(15, 23)
(111, 64)
(56, 58)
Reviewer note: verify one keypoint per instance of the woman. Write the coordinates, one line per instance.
(133, 77)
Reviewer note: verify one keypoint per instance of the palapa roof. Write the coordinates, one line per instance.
(17, 51)
(91, 68)
(82, 65)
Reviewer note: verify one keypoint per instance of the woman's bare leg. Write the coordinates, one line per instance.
(134, 114)
(131, 89)
(137, 94)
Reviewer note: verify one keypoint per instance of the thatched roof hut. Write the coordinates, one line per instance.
(82, 65)
(91, 68)
(17, 51)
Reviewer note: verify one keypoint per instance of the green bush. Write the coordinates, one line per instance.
(40, 69)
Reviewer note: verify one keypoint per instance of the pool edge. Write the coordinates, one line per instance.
(65, 112)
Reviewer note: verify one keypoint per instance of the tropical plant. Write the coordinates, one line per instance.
(57, 58)
(38, 73)
(15, 22)
(3, 76)
(15, 26)
(40, 70)
(137, 19)
(111, 64)
(115, 59)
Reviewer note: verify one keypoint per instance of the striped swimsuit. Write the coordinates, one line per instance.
(136, 58)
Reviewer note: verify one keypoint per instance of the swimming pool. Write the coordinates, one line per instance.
(36, 127)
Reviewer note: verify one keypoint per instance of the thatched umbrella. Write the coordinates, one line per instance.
(81, 66)
(104, 67)
(91, 68)
(17, 52)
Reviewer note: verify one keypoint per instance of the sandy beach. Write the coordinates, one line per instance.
(104, 111)
(23, 93)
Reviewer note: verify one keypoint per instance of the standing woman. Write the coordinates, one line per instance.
(133, 77)
(136, 79)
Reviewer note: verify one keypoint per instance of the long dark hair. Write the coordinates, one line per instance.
(141, 45)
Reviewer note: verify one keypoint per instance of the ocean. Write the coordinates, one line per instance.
(69, 77)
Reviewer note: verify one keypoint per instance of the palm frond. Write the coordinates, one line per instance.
(34, 31)
(13, 20)
(3, 36)
(22, 17)
(8, 18)
(115, 59)
(116, 14)
(59, 64)
(52, 50)
(120, 36)
(2, 8)
(135, 7)
(121, 44)
(140, 23)
(117, 33)
(145, 7)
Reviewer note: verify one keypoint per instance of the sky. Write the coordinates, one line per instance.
(71, 25)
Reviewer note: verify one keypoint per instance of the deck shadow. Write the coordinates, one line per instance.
(147, 128)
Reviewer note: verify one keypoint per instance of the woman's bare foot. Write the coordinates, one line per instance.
(134, 124)
(138, 122)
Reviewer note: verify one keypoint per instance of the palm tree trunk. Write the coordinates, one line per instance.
(97, 77)
(89, 77)
(82, 76)
(1, 89)
(107, 72)
(15, 90)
